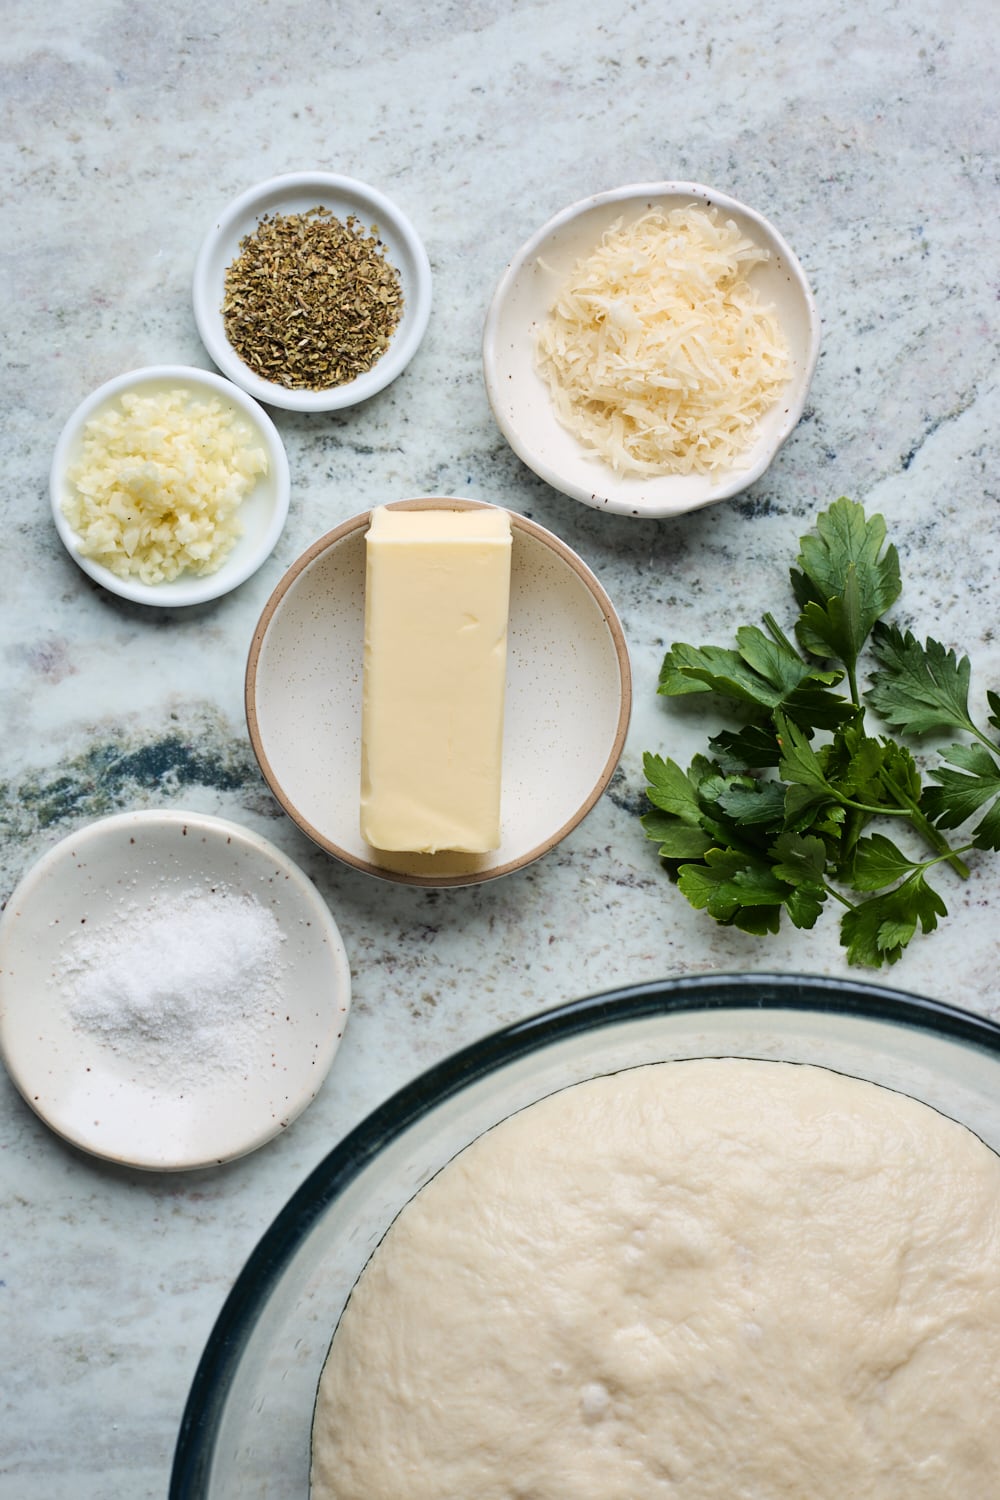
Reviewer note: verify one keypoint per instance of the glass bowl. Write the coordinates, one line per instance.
(246, 1428)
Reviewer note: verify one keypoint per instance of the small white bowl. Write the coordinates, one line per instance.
(569, 696)
(110, 1095)
(520, 396)
(297, 193)
(262, 514)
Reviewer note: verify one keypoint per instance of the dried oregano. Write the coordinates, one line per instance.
(311, 301)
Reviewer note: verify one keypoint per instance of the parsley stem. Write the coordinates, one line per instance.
(940, 843)
(991, 745)
(881, 812)
(927, 831)
(831, 890)
(947, 858)
(917, 821)
(852, 683)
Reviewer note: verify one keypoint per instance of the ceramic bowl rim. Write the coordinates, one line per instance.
(185, 590)
(597, 496)
(405, 341)
(351, 527)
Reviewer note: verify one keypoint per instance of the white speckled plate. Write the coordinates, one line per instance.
(569, 696)
(203, 1096)
(520, 397)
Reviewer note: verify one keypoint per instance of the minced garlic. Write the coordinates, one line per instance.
(158, 483)
(658, 352)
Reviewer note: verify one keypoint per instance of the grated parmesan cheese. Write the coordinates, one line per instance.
(659, 355)
(158, 483)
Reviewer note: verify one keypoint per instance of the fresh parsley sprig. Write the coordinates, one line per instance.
(775, 819)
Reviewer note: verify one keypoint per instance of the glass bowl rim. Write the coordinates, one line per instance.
(464, 1067)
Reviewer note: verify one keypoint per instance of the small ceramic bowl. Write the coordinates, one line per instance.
(297, 193)
(569, 695)
(97, 1040)
(520, 396)
(262, 514)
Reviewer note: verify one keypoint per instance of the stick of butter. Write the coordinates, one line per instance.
(437, 597)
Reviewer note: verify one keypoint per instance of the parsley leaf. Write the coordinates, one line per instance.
(845, 581)
(670, 788)
(921, 689)
(877, 772)
(677, 841)
(878, 863)
(674, 822)
(960, 794)
(800, 763)
(776, 818)
(765, 673)
(877, 931)
(755, 746)
(800, 863)
(993, 699)
(750, 800)
(736, 889)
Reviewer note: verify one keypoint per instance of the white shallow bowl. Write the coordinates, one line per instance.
(262, 514)
(297, 193)
(569, 696)
(94, 1093)
(520, 396)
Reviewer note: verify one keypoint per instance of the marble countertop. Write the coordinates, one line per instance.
(866, 132)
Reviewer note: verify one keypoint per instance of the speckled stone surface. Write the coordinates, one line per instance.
(866, 132)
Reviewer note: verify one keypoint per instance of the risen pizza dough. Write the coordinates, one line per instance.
(715, 1280)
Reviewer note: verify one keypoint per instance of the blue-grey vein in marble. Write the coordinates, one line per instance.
(866, 132)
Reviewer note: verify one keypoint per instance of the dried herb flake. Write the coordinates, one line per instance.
(311, 301)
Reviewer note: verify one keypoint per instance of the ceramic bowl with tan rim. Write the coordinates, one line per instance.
(568, 700)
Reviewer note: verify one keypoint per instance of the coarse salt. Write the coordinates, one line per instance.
(179, 990)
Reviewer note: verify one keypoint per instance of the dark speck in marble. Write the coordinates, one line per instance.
(625, 797)
(751, 507)
(50, 659)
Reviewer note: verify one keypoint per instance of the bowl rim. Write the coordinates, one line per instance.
(359, 523)
(679, 994)
(795, 397)
(185, 590)
(404, 343)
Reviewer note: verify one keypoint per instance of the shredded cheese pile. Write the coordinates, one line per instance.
(659, 355)
(158, 483)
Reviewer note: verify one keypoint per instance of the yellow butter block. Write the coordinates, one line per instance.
(437, 598)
